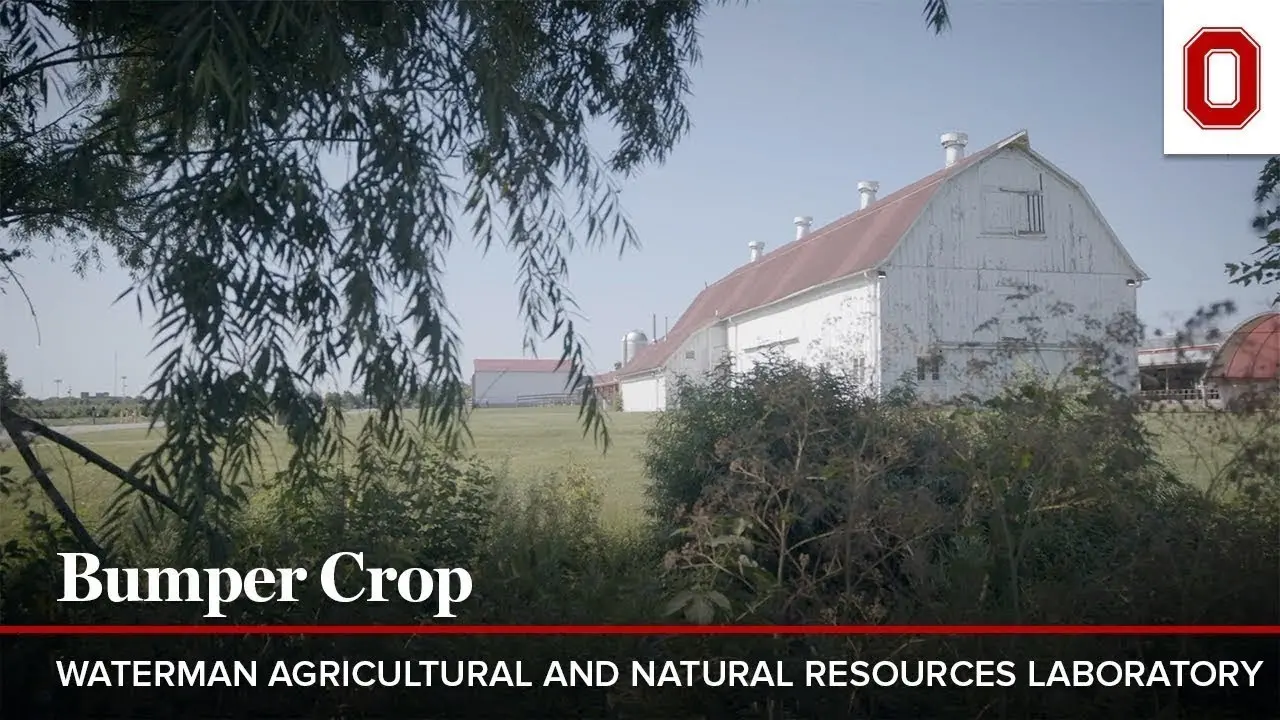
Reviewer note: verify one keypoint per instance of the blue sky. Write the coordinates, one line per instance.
(794, 103)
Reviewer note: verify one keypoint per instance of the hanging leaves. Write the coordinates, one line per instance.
(208, 149)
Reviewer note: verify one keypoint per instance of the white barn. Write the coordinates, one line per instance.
(517, 382)
(917, 284)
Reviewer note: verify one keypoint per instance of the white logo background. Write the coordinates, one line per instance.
(1182, 20)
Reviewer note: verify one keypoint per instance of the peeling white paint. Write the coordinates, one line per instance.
(964, 274)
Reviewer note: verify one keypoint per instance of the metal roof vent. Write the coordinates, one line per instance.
(803, 223)
(953, 143)
(868, 189)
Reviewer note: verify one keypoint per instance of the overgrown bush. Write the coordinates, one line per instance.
(429, 509)
(815, 503)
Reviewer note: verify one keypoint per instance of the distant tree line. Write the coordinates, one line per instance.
(346, 400)
(75, 407)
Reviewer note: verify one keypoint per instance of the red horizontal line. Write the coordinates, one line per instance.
(1130, 630)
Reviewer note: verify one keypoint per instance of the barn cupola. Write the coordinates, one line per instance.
(868, 189)
(953, 143)
(803, 224)
(757, 249)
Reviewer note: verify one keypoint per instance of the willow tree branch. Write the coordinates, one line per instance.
(50, 62)
(94, 458)
(20, 137)
(8, 420)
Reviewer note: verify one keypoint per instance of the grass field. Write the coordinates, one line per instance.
(526, 441)
(530, 441)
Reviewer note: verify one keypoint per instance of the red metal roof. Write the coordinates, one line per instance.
(1251, 351)
(850, 245)
(521, 365)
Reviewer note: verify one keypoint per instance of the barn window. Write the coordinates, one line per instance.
(1032, 220)
(1010, 211)
(858, 370)
(688, 354)
(929, 367)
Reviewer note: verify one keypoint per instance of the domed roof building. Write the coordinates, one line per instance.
(1248, 361)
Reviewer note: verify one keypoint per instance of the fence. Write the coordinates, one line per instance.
(1187, 394)
(547, 400)
(1206, 398)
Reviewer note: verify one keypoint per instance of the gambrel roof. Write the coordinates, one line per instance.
(855, 243)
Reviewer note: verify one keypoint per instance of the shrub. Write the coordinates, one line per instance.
(429, 509)
(817, 504)
(680, 456)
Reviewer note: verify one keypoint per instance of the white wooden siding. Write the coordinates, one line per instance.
(700, 353)
(834, 325)
(644, 394)
(953, 279)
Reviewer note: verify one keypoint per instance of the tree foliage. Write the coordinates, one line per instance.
(54, 179)
(287, 180)
(10, 389)
(1264, 269)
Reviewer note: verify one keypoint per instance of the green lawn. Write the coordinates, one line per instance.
(1200, 446)
(527, 441)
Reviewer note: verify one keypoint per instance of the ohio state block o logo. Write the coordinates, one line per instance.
(1195, 75)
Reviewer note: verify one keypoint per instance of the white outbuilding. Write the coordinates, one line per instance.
(995, 247)
(519, 382)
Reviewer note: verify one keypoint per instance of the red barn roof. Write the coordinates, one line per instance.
(1251, 351)
(853, 244)
(521, 365)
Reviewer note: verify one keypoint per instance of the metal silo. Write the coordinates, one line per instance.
(631, 344)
